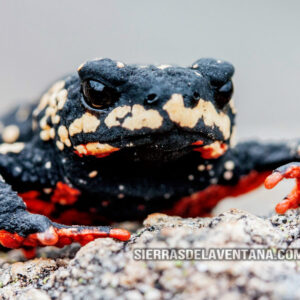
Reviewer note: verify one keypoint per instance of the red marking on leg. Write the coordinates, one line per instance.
(272, 180)
(10, 240)
(60, 237)
(293, 199)
(35, 205)
(201, 203)
(64, 194)
(29, 253)
(48, 237)
(212, 151)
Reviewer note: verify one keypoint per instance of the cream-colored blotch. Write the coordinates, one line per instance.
(87, 123)
(189, 117)
(10, 134)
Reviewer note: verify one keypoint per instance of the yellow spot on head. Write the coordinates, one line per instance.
(140, 118)
(52, 133)
(118, 113)
(55, 119)
(189, 117)
(45, 135)
(49, 97)
(43, 123)
(87, 123)
(10, 134)
(61, 98)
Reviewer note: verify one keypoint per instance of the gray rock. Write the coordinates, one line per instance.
(105, 269)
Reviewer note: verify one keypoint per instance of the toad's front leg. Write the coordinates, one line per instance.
(290, 170)
(21, 229)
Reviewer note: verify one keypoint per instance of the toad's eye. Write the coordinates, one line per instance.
(224, 93)
(97, 95)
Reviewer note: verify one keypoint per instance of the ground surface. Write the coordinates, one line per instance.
(105, 269)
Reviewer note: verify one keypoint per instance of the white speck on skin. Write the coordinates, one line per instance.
(214, 181)
(229, 165)
(48, 165)
(191, 177)
(201, 168)
(18, 169)
(121, 196)
(47, 190)
(228, 175)
(60, 145)
(130, 144)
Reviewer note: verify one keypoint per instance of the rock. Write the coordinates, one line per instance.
(34, 294)
(105, 269)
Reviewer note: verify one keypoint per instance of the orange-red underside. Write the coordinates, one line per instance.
(201, 203)
(198, 204)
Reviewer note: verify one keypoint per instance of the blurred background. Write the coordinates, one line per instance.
(41, 41)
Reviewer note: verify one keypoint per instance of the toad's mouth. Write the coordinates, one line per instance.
(208, 147)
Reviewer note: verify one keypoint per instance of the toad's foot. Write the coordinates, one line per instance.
(291, 170)
(60, 235)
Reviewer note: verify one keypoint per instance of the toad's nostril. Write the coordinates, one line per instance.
(196, 96)
(151, 98)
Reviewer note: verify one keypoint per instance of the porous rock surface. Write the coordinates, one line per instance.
(105, 269)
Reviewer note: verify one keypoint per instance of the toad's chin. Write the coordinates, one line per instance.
(208, 149)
